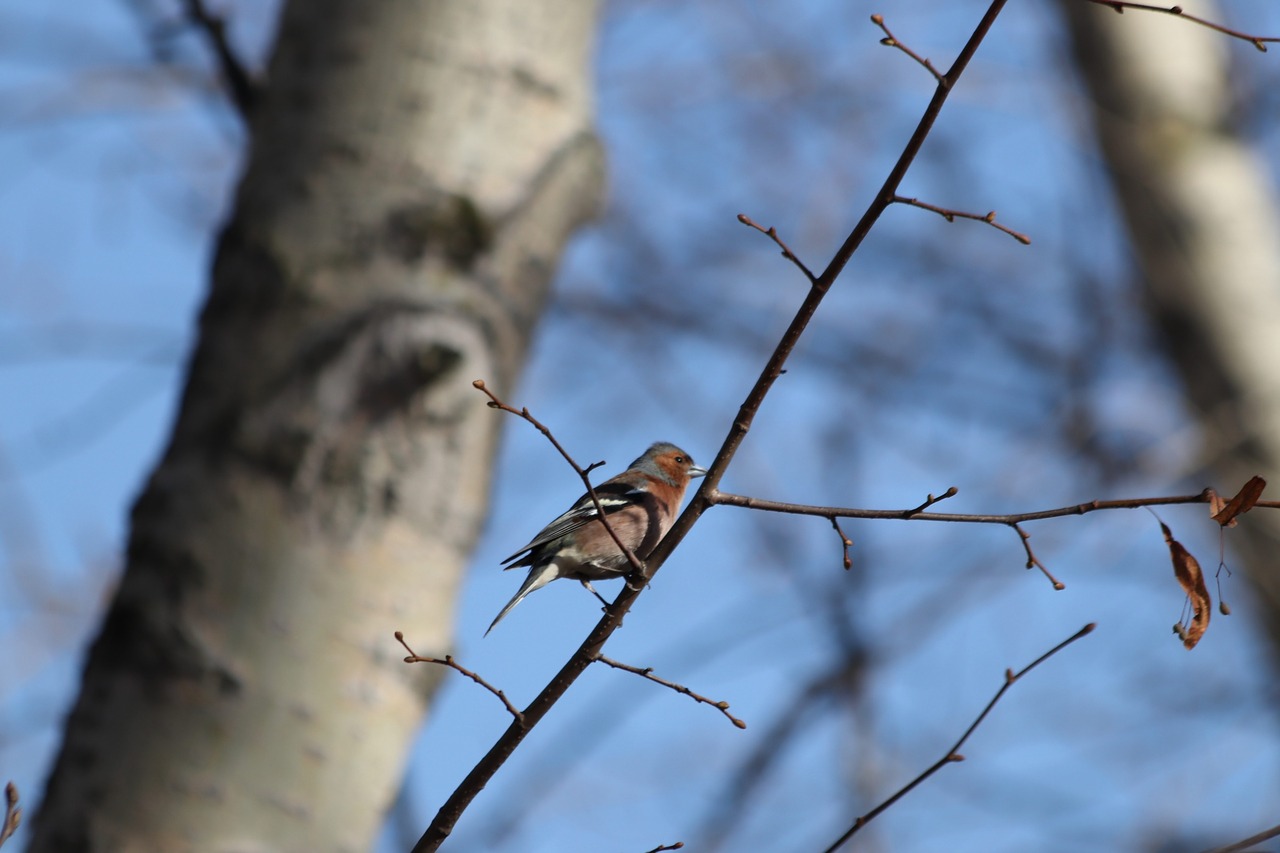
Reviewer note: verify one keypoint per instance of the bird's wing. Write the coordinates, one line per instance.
(613, 497)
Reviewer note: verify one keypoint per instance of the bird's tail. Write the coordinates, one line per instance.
(539, 576)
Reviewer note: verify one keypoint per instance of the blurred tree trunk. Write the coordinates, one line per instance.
(414, 171)
(1201, 212)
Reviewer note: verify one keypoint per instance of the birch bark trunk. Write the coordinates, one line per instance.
(414, 172)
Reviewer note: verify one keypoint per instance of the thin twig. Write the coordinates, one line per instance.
(495, 403)
(845, 542)
(772, 234)
(953, 754)
(952, 215)
(448, 661)
(244, 92)
(930, 500)
(1033, 561)
(679, 845)
(647, 672)
(1120, 5)
(890, 40)
(1246, 843)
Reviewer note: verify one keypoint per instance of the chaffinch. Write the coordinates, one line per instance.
(641, 504)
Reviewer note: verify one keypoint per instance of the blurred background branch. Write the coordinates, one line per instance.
(1027, 376)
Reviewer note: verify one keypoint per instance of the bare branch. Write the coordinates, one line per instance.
(448, 661)
(447, 817)
(845, 542)
(930, 500)
(1260, 42)
(647, 672)
(952, 215)
(1247, 843)
(729, 499)
(890, 40)
(953, 754)
(772, 234)
(804, 314)
(679, 845)
(1033, 561)
(496, 403)
(243, 90)
(1014, 520)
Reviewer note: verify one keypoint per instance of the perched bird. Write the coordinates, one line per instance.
(641, 505)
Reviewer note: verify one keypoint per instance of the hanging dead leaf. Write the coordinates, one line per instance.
(1241, 503)
(1216, 503)
(1187, 570)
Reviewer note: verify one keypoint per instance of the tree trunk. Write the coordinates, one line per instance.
(415, 170)
(1201, 212)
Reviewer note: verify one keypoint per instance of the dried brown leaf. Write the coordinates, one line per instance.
(1241, 503)
(1216, 503)
(12, 814)
(1187, 570)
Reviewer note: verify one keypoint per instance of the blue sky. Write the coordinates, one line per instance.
(117, 175)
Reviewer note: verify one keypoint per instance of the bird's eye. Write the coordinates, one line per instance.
(681, 460)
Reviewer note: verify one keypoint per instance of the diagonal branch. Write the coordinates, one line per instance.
(647, 672)
(1260, 42)
(952, 215)
(447, 817)
(1248, 843)
(448, 661)
(953, 754)
(890, 40)
(496, 403)
(244, 91)
(930, 500)
(1032, 560)
(772, 234)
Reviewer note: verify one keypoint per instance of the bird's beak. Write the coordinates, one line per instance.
(697, 471)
